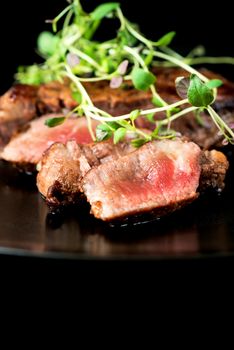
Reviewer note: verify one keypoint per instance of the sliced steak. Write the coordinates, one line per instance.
(17, 108)
(26, 149)
(54, 97)
(120, 181)
(63, 167)
(160, 177)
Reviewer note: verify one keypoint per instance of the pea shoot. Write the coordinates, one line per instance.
(72, 52)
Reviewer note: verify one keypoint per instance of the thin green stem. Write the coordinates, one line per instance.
(177, 115)
(171, 52)
(179, 63)
(67, 19)
(143, 112)
(209, 60)
(121, 19)
(137, 57)
(196, 61)
(219, 122)
(84, 95)
(143, 134)
(155, 94)
(56, 19)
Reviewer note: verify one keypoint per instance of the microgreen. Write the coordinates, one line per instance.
(134, 115)
(76, 95)
(52, 122)
(103, 132)
(199, 94)
(47, 43)
(182, 85)
(166, 39)
(119, 134)
(103, 10)
(141, 79)
(70, 52)
(214, 83)
(157, 102)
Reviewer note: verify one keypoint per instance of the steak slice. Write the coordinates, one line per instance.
(63, 167)
(26, 149)
(54, 97)
(17, 108)
(158, 178)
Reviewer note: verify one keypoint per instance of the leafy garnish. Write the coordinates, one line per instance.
(214, 83)
(125, 61)
(47, 43)
(199, 95)
(103, 10)
(134, 115)
(138, 142)
(119, 135)
(182, 85)
(52, 122)
(166, 39)
(76, 95)
(103, 132)
(157, 102)
(142, 79)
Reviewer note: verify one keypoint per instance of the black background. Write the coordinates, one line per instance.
(196, 23)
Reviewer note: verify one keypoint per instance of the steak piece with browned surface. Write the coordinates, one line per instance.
(119, 181)
(158, 178)
(63, 167)
(17, 108)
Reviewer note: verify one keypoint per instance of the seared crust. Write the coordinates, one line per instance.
(17, 108)
(63, 167)
(214, 166)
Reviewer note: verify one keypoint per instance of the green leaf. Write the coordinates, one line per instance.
(182, 85)
(157, 102)
(138, 142)
(166, 39)
(51, 122)
(214, 83)
(134, 114)
(113, 125)
(104, 127)
(150, 117)
(126, 38)
(103, 10)
(119, 135)
(47, 43)
(103, 132)
(160, 132)
(126, 125)
(157, 130)
(76, 95)
(142, 79)
(199, 94)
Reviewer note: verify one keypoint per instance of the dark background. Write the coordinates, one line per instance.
(195, 23)
(22, 21)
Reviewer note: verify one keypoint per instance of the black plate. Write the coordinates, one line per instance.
(203, 229)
